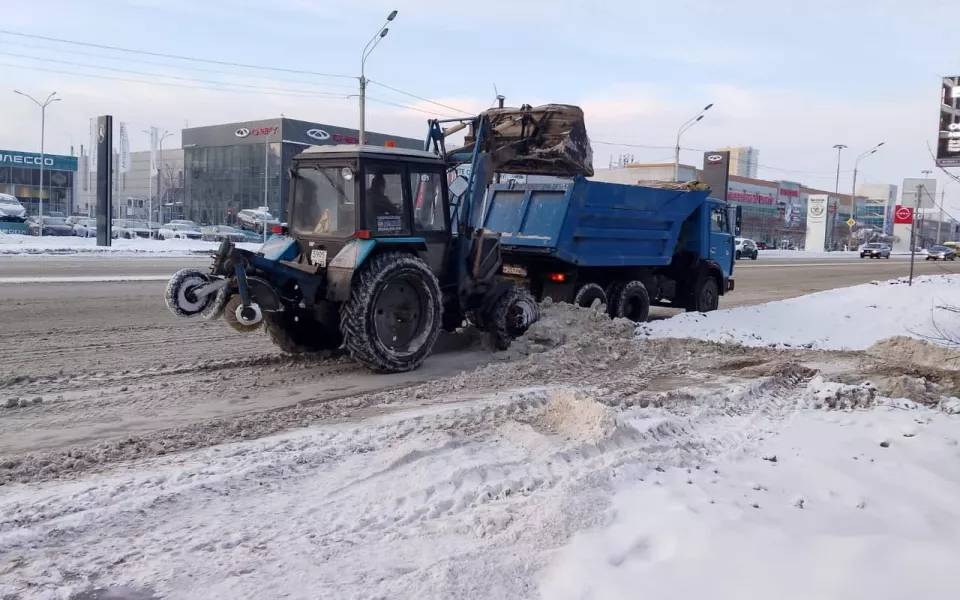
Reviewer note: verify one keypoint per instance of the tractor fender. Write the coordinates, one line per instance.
(354, 254)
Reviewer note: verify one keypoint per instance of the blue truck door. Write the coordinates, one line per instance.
(721, 240)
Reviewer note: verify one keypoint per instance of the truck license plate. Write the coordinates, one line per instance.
(318, 257)
(514, 270)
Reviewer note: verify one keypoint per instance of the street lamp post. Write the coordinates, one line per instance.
(836, 189)
(43, 127)
(853, 191)
(676, 156)
(367, 50)
(164, 136)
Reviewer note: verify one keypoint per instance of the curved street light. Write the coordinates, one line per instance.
(43, 125)
(693, 121)
(367, 50)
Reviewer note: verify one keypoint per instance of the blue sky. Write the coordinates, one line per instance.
(790, 78)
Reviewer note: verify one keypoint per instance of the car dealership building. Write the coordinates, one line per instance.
(20, 177)
(235, 166)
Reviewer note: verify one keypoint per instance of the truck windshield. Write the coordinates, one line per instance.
(323, 202)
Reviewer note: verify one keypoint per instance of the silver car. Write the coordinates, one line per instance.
(875, 250)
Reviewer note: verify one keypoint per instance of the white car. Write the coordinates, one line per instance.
(747, 248)
(179, 231)
(85, 228)
(11, 209)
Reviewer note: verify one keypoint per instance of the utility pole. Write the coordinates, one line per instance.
(943, 193)
(690, 123)
(836, 190)
(43, 127)
(266, 168)
(853, 192)
(367, 50)
(913, 235)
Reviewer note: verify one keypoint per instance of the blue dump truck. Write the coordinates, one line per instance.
(628, 246)
(385, 247)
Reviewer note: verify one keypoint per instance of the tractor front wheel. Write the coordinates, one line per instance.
(393, 316)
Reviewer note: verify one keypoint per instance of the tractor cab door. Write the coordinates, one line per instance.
(430, 208)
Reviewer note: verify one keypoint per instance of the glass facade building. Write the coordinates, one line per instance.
(20, 177)
(228, 168)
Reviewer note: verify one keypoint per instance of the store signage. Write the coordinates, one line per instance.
(244, 132)
(756, 195)
(816, 208)
(318, 134)
(903, 215)
(948, 137)
(31, 160)
(714, 158)
(716, 173)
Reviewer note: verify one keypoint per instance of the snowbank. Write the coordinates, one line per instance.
(832, 517)
(31, 245)
(845, 318)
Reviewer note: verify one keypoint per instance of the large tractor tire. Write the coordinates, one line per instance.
(392, 319)
(633, 302)
(589, 293)
(706, 295)
(179, 293)
(296, 331)
(511, 315)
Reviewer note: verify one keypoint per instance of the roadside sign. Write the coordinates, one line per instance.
(851, 222)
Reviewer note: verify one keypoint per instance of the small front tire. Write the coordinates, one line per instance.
(179, 297)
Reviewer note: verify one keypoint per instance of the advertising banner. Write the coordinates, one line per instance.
(716, 172)
(948, 138)
(92, 146)
(816, 222)
(903, 215)
(154, 143)
(788, 196)
(124, 158)
(104, 151)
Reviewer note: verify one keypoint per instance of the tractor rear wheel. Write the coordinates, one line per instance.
(392, 319)
(511, 315)
(296, 331)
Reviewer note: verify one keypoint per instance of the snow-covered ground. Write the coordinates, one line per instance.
(592, 465)
(34, 245)
(844, 318)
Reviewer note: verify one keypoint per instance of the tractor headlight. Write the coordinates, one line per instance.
(347, 174)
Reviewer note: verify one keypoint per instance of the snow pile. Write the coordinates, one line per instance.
(820, 511)
(67, 245)
(850, 318)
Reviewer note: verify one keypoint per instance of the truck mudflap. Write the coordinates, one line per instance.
(730, 285)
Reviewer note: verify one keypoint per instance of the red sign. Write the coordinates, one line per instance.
(345, 139)
(902, 215)
(750, 197)
(264, 130)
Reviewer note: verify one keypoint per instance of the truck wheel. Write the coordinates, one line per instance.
(179, 293)
(588, 294)
(511, 315)
(706, 295)
(613, 294)
(298, 332)
(633, 302)
(392, 319)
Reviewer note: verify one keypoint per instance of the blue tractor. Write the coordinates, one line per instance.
(381, 251)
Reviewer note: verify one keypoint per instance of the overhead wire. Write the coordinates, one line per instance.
(383, 85)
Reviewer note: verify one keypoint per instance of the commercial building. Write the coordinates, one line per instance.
(874, 207)
(231, 167)
(20, 177)
(772, 211)
(743, 161)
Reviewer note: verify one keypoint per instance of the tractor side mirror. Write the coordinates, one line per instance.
(291, 173)
(459, 185)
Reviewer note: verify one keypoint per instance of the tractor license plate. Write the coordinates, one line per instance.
(318, 257)
(514, 270)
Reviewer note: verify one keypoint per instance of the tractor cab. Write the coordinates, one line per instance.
(393, 196)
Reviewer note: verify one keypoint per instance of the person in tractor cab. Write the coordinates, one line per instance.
(386, 212)
(377, 197)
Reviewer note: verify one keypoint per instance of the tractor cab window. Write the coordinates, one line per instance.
(324, 202)
(384, 200)
(426, 189)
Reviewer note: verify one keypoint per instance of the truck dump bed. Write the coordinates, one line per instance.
(590, 223)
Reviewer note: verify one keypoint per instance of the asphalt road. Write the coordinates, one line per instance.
(107, 359)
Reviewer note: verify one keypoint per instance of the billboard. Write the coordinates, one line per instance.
(948, 138)
(716, 172)
(927, 188)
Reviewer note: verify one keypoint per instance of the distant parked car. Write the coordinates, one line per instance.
(11, 210)
(85, 228)
(764, 246)
(747, 248)
(255, 220)
(179, 231)
(130, 229)
(182, 222)
(51, 226)
(942, 253)
(218, 233)
(875, 250)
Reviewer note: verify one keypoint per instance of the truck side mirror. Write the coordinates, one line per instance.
(734, 217)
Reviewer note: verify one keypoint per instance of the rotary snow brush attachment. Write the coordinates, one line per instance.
(542, 140)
